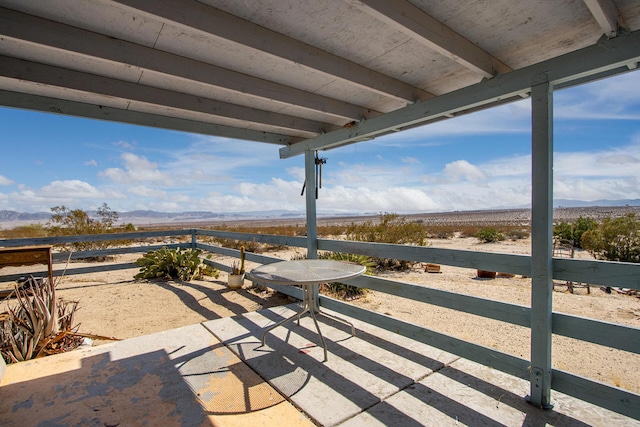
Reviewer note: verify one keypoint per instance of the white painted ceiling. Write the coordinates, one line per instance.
(304, 74)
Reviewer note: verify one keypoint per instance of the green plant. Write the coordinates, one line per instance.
(22, 231)
(39, 324)
(168, 263)
(342, 290)
(390, 229)
(517, 234)
(574, 231)
(615, 239)
(489, 235)
(237, 269)
(75, 222)
(440, 231)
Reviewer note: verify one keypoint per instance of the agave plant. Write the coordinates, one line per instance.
(38, 323)
(348, 292)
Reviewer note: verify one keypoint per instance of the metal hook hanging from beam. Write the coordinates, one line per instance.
(318, 161)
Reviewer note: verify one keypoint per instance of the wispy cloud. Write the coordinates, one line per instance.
(124, 145)
(5, 181)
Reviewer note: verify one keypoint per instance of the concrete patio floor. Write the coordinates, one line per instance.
(216, 374)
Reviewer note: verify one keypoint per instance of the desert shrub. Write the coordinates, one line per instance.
(331, 230)
(441, 231)
(24, 231)
(517, 234)
(573, 232)
(489, 235)
(178, 264)
(250, 246)
(615, 239)
(390, 229)
(468, 230)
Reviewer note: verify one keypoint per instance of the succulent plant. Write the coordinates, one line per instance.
(238, 268)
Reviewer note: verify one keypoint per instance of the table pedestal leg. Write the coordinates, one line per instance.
(309, 304)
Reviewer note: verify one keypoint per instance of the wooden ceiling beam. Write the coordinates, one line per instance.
(119, 115)
(192, 15)
(409, 19)
(605, 13)
(28, 33)
(34, 77)
(608, 57)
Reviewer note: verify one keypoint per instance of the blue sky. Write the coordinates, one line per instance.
(477, 161)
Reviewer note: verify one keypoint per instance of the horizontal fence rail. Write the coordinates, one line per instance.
(606, 273)
(62, 240)
(300, 242)
(614, 274)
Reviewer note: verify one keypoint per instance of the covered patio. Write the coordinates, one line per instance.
(308, 76)
(215, 374)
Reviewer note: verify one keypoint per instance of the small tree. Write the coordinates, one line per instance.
(573, 231)
(74, 222)
(615, 239)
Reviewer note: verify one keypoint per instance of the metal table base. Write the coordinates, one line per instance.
(310, 305)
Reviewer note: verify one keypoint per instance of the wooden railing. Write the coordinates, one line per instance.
(614, 274)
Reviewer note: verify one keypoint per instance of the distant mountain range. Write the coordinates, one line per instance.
(567, 203)
(141, 216)
(148, 216)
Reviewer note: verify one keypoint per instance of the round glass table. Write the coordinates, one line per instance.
(308, 274)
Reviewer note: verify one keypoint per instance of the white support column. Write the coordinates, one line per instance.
(541, 241)
(312, 231)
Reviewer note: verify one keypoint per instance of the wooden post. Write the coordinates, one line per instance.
(541, 241)
(312, 230)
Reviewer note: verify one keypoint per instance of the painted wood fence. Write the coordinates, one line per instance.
(614, 274)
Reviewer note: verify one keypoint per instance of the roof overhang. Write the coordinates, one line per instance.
(304, 75)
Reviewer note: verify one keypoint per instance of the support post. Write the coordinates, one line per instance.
(312, 230)
(541, 241)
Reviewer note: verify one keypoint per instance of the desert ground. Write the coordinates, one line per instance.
(113, 304)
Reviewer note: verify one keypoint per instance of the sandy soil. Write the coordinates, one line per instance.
(113, 304)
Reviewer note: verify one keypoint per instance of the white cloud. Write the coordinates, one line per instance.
(71, 188)
(5, 181)
(620, 159)
(76, 194)
(462, 170)
(296, 173)
(615, 162)
(343, 199)
(608, 99)
(137, 169)
(91, 163)
(142, 191)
